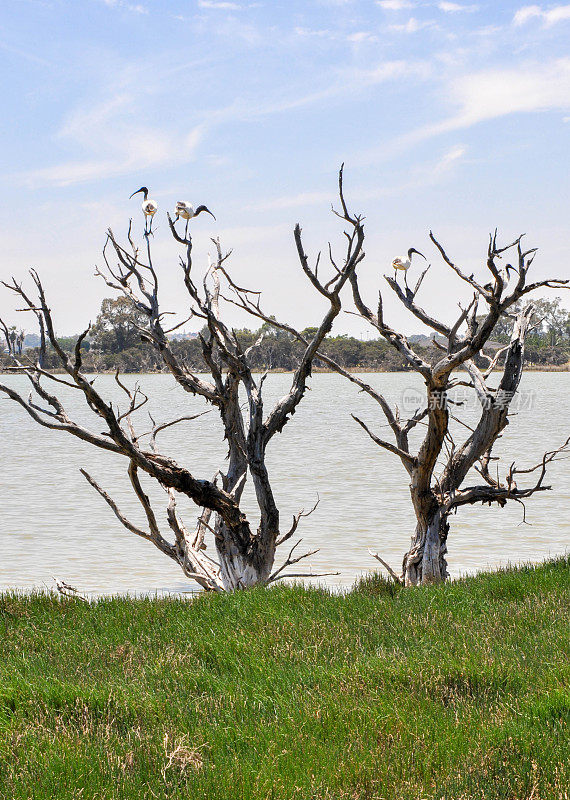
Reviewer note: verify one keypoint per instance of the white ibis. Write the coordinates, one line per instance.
(405, 263)
(186, 210)
(505, 275)
(149, 207)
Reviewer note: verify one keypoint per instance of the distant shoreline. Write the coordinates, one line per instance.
(315, 370)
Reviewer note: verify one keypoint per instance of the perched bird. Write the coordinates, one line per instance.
(186, 210)
(405, 263)
(505, 275)
(149, 207)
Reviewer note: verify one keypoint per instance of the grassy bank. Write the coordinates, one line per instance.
(450, 692)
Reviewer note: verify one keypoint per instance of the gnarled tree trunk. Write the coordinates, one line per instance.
(425, 561)
(243, 567)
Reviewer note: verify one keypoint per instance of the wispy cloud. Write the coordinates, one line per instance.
(28, 55)
(293, 201)
(220, 4)
(496, 93)
(343, 82)
(116, 140)
(114, 144)
(395, 5)
(234, 29)
(451, 8)
(146, 154)
(135, 8)
(549, 16)
(358, 37)
(419, 176)
(449, 158)
(92, 124)
(431, 172)
(150, 149)
(389, 70)
(444, 5)
(323, 33)
(413, 25)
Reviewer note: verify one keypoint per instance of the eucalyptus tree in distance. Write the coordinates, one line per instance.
(245, 556)
(439, 469)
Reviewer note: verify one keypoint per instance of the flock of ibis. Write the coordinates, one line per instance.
(185, 210)
(182, 210)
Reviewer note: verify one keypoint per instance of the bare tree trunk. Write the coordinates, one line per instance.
(242, 568)
(252, 564)
(425, 561)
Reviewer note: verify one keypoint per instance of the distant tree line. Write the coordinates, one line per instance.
(548, 342)
(115, 342)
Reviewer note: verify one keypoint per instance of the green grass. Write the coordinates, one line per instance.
(456, 692)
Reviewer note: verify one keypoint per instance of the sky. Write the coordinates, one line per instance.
(448, 116)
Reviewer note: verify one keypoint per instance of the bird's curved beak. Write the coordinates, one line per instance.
(209, 212)
(138, 191)
(413, 250)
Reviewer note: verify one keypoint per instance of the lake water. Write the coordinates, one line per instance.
(52, 523)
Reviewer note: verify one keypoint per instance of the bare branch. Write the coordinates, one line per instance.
(296, 519)
(155, 538)
(417, 311)
(470, 280)
(278, 574)
(405, 456)
(69, 591)
(397, 578)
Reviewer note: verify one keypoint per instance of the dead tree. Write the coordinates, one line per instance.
(245, 556)
(440, 467)
(441, 470)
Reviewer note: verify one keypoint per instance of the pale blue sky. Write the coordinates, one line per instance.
(451, 116)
